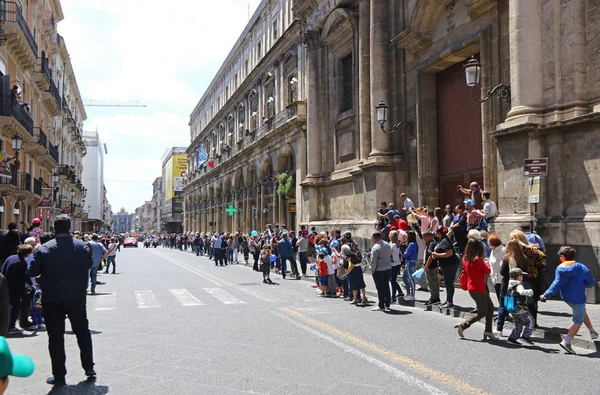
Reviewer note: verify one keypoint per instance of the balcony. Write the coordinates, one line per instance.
(292, 116)
(24, 185)
(37, 187)
(14, 117)
(53, 153)
(37, 146)
(21, 41)
(49, 23)
(7, 186)
(50, 95)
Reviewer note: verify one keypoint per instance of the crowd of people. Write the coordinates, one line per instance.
(424, 247)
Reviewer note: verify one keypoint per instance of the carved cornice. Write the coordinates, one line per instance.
(477, 8)
(412, 41)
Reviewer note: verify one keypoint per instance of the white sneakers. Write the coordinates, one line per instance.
(408, 297)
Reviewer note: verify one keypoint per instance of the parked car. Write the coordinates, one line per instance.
(130, 242)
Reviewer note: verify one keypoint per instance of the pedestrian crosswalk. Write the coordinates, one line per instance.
(149, 299)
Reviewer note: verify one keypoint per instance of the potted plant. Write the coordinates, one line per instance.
(286, 184)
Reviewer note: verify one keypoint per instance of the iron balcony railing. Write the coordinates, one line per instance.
(53, 152)
(52, 86)
(13, 12)
(37, 187)
(42, 139)
(24, 182)
(10, 107)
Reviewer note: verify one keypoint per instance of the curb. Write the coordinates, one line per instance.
(459, 313)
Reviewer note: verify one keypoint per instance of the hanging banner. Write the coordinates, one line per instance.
(65, 208)
(45, 203)
(4, 168)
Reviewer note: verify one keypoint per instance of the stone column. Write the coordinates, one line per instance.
(381, 143)
(364, 79)
(261, 218)
(526, 78)
(313, 118)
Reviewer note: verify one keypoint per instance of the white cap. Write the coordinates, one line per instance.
(474, 234)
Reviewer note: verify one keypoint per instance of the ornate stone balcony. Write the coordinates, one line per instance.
(21, 42)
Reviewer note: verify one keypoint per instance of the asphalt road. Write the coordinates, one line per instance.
(172, 323)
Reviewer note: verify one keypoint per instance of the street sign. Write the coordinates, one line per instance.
(535, 167)
(231, 210)
(534, 189)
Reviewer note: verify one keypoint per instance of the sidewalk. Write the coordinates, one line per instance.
(554, 316)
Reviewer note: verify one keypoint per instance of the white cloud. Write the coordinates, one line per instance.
(161, 54)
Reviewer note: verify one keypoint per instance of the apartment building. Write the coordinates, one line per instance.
(41, 118)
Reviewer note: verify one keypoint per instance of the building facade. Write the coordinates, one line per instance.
(156, 204)
(251, 124)
(174, 167)
(93, 180)
(41, 118)
(537, 96)
(122, 222)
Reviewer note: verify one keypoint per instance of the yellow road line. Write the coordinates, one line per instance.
(194, 269)
(457, 384)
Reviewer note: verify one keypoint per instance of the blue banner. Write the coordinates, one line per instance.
(202, 156)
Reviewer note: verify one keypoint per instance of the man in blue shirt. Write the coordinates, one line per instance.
(285, 253)
(533, 238)
(216, 242)
(99, 253)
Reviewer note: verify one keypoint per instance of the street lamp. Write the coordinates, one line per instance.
(72, 198)
(16, 146)
(382, 112)
(473, 79)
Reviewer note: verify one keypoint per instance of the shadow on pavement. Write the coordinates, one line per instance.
(86, 387)
(504, 344)
(93, 332)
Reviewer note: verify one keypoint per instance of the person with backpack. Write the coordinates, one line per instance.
(355, 276)
(516, 303)
(571, 280)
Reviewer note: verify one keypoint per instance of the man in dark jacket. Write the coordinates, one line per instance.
(4, 306)
(64, 264)
(15, 271)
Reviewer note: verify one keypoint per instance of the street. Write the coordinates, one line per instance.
(172, 323)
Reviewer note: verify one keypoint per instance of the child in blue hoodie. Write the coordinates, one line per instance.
(571, 280)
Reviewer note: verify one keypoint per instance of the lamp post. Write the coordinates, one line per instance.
(473, 79)
(16, 146)
(72, 205)
(382, 112)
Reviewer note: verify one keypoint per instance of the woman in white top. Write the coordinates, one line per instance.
(496, 257)
(434, 222)
(397, 237)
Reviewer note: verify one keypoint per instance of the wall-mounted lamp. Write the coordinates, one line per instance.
(473, 79)
(382, 113)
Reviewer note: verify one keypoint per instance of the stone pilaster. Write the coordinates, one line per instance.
(313, 119)
(364, 79)
(381, 143)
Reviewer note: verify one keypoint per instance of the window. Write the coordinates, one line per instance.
(347, 84)
(275, 30)
(292, 88)
(246, 68)
(226, 93)
(259, 50)
(235, 82)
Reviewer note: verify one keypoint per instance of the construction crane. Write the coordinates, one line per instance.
(113, 103)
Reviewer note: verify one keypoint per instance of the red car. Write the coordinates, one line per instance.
(130, 242)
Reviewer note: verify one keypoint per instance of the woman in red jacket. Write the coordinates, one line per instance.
(477, 271)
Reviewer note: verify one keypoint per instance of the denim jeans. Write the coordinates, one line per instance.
(111, 259)
(303, 257)
(230, 255)
(407, 279)
(502, 314)
(284, 265)
(197, 250)
(36, 316)
(94, 276)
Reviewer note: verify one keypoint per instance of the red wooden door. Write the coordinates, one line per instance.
(460, 150)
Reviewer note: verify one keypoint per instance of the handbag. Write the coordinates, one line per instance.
(418, 274)
(463, 279)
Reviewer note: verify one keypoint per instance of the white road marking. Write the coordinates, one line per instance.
(222, 296)
(408, 378)
(185, 298)
(188, 269)
(105, 302)
(146, 299)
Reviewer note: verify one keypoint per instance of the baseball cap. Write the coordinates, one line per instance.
(516, 272)
(14, 364)
(474, 234)
(470, 202)
(36, 221)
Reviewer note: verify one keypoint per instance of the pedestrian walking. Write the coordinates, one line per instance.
(476, 271)
(265, 264)
(396, 239)
(381, 265)
(112, 256)
(99, 253)
(15, 271)
(64, 264)
(431, 268)
(520, 306)
(571, 279)
(410, 262)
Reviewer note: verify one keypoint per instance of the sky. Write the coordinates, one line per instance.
(161, 54)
